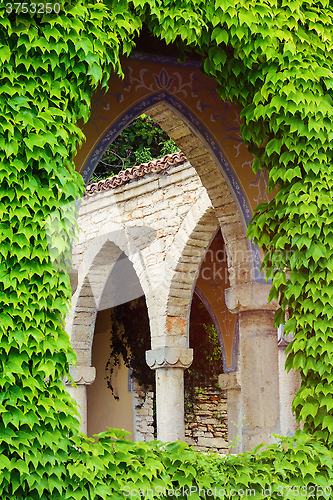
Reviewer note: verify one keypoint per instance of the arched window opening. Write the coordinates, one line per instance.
(142, 141)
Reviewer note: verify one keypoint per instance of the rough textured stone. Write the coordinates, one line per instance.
(212, 442)
(207, 423)
(142, 413)
(249, 297)
(169, 357)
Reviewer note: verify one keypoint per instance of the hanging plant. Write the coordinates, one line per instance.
(130, 339)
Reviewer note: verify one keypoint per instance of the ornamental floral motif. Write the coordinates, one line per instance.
(163, 80)
(173, 83)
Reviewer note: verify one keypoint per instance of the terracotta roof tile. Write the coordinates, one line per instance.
(136, 172)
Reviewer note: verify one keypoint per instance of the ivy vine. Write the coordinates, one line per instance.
(49, 68)
(129, 340)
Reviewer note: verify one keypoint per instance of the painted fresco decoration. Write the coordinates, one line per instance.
(150, 80)
(103, 98)
(260, 184)
(211, 283)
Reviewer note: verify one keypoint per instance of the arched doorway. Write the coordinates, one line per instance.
(186, 105)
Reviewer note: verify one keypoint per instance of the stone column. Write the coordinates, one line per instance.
(231, 383)
(289, 383)
(170, 363)
(258, 362)
(82, 376)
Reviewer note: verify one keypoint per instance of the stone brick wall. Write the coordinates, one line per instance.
(142, 413)
(175, 209)
(207, 428)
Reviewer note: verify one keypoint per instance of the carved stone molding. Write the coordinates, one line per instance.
(249, 297)
(82, 375)
(230, 380)
(169, 357)
(284, 338)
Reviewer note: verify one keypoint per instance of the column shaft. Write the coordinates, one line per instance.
(170, 404)
(230, 382)
(82, 376)
(258, 364)
(79, 393)
(289, 383)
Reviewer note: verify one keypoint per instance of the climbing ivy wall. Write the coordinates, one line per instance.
(49, 68)
(274, 59)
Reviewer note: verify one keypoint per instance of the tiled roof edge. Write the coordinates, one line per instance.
(125, 176)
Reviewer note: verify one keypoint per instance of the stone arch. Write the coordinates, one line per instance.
(169, 306)
(226, 209)
(190, 245)
(92, 283)
(191, 254)
(226, 199)
(191, 242)
(86, 300)
(170, 353)
(170, 321)
(221, 187)
(187, 106)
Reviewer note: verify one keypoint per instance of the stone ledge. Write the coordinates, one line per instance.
(230, 381)
(212, 442)
(249, 297)
(169, 357)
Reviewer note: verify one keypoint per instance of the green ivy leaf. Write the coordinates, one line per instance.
(95, 71)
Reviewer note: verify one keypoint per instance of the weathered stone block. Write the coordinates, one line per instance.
(203, 412)
(197, 433)
(212, 442)
(172, 192)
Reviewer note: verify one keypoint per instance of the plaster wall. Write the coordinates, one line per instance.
(103, 410)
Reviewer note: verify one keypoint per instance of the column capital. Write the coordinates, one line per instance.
(251, 296)
(82, 375)
(169, 357)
